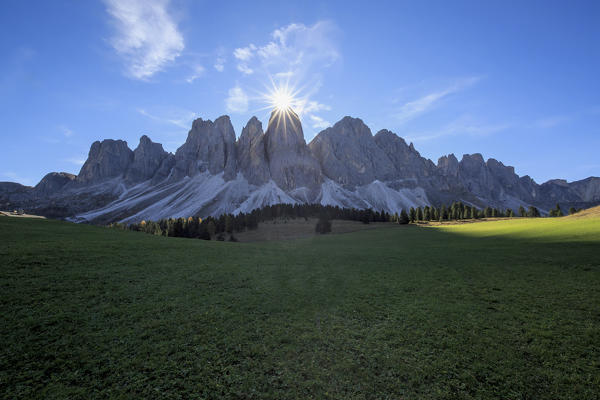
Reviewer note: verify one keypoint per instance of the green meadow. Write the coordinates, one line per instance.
(491, 310)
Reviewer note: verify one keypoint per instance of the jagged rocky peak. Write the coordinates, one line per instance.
(284, 130)
(53, 182)
(349, 155)
(106, 159)
(495, 165)
(557, 182)
(147, 158)
(407, 161)
(448, 165)
(210, 146)
(252, 157)
(475, 159)
(291, 164)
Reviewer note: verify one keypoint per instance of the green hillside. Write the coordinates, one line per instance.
(502, 309)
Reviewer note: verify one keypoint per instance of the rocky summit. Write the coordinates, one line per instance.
(214, 173)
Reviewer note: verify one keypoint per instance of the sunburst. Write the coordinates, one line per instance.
(285, 102)
(283, 97)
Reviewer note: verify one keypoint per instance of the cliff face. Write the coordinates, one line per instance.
(349, 155)
(252, 155)
(106, 159)
(147, 158)
(210, 146)
(291, 163)
(213, 173)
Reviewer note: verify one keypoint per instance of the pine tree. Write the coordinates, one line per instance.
(473, 212)
(412, 214)
(427, 213)
(572, 210)
(228, 223)
(522, 212)
(443, 213)
(403, 219)
(323, 225)
(487, 212)
(419, 214)
(211, 228)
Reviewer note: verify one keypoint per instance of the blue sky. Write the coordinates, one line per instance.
(515, 81)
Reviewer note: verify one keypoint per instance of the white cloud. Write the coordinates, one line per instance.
(146, 35)
(414, 108)
(237, 101)
(244, 53)
(198, 72)
(318, 122)
(243, 68)
(314, 106)
(220, 64)
(294, 53)
(294, 50)
(180, 118)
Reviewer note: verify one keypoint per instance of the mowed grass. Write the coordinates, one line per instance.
(493, 310)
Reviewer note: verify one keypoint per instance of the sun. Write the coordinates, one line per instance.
(283, 98)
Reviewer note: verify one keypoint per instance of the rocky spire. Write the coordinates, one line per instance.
(147, 157)
(349, 155)
(252, 157)
(407, 161)
(106, 159)
(210, 146)
(291, 163)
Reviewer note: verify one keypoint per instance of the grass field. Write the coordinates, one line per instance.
(493, 310)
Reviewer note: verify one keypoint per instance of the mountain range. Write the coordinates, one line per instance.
(213, 173)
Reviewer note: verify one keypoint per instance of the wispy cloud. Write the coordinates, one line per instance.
(198, 72)
(14, 177)
(314, 106)
(244, 53)
(220, 64)
(465, 125)
(294, 50)
(243, 68)
(180, 118)
(421, 105)
(237, 100)
(318, 122)
(146, 35)
(75, 160)
(551, 122)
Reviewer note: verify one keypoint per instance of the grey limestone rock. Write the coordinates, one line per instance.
(147, 158)
(350, 156)
(252, 156)
(291, 164)
(106, 159)
(210, 146)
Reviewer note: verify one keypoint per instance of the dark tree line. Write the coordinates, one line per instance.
(228, 224)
